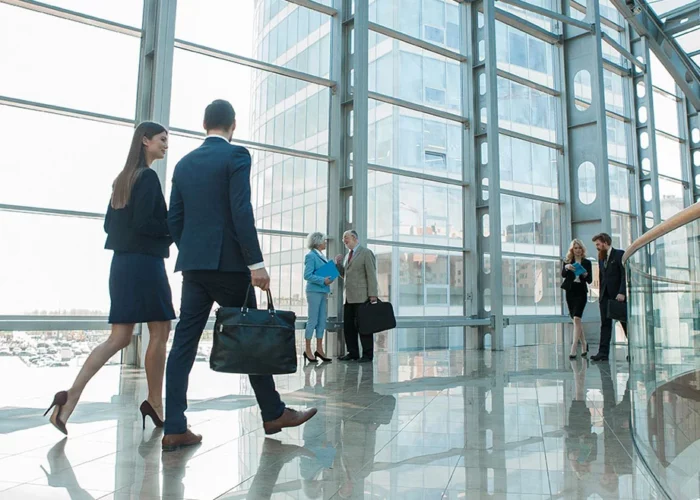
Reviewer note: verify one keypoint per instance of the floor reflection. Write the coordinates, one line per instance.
(442, 424)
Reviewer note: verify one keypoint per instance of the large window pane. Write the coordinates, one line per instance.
(408, 140)
(671, 193)
(283, 104)
(529, 226)
(542, 21)
(526, 110)
(525, 55)
(621, 230)
(417, 75)
(666, 114)
(65, 172)
(129, 12)
(421, 282)
(619, 188)
(53, 265)
(531, 286)
(660, 77)
(528, 168)
(438, 21)
(668, 153)
(617, 139)
(293, 37)
(614, 93)
(70, 64)
(414, 211)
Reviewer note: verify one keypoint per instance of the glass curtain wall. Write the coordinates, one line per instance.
(67, 125)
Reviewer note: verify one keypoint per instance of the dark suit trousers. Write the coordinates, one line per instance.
(200, 289)
(351, 334)
(606, 327)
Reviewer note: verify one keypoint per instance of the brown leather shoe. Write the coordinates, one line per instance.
(172, 442)
(290, 418)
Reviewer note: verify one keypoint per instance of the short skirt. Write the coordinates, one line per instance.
(139, 289)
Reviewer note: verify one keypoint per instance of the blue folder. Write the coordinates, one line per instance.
(578, 269)
(328, 270)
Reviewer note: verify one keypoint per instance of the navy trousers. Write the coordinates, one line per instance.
(200, 289)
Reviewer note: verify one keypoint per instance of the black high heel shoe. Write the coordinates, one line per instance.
(148, 411)
(310, 360)
(59, 400)
(323, 358)
(584, 354)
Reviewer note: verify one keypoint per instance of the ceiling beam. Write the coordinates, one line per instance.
(647, 24)
(682, 19)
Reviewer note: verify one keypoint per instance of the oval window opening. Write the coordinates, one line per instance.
(586, 183)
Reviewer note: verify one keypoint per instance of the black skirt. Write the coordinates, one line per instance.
(139, 289)
(576, 299)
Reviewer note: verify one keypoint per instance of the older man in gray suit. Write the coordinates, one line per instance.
(359, 271)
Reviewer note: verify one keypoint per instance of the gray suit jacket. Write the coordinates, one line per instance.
(360, 276)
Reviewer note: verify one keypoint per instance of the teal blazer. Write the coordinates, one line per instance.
(312, 262)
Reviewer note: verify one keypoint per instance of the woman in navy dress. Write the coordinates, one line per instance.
(137, 232)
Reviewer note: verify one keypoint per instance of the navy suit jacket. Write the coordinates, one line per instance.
(211, 218)
(613, 280)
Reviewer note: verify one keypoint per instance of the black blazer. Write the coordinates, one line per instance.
(211, 217)
(141, 226)
(613, 280)
(571, 276)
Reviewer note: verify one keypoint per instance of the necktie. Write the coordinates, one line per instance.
(350, 256)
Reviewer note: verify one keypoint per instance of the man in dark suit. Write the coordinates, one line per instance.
(613, 285)
(211, 221)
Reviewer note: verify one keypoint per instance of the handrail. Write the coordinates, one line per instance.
(680, 219)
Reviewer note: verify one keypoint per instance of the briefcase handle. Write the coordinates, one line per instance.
(270, 304)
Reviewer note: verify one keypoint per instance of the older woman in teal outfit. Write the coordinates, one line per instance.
(317, 290)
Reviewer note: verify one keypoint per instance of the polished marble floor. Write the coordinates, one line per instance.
(526, 423)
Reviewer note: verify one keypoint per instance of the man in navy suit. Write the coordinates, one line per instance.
(613, 285)
(211, 221)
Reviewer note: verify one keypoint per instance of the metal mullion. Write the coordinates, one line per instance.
(527, 27)
(279, 232)
(418, 246)
(622, 212)
(547, 258)
(416, 107)
(616, 68)
(257, 145)
(530, 196)
(620, 164)
(669, 136)
(550, 14)
(666, 93)
(252, 63)
(528, 83)
(529, 138)
(417, 175)
(70, 15)
(50, 211)
(416, 42)
(63, 111)
(318, 7)
(616, 116)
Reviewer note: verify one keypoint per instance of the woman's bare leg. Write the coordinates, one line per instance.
(155, 363)
(118, 340)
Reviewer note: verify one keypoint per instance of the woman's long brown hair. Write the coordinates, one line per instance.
(135, 164)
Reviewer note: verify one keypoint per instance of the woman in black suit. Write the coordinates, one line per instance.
(577, 291)
(137, 232)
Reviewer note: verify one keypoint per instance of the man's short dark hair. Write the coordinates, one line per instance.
(219, 115)
(604, 237)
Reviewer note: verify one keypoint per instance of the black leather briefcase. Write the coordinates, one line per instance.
(375, 318)
(254, 341)
(617, 310)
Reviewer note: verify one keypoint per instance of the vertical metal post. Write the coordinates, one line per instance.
(694, 150)
(360, 117)
(650, 198)
(337, 167)
(153, 104)
(488, 181)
